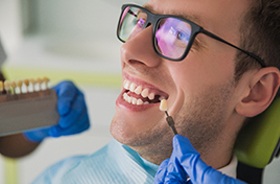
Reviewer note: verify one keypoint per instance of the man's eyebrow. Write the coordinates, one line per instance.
(192, 18)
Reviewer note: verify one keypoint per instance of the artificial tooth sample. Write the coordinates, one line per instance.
(26, 83)
(7, 86)
(39, 83)
(23, 86)
(163, 105)
(1, 87)
(32, 84)
(23, 99)
(19, 85)
(13, 86)
(45, 83)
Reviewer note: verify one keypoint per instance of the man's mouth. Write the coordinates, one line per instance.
(141, 95)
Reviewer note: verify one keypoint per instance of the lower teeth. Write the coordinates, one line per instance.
(133, 100)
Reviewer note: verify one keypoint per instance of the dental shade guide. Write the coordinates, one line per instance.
(26, 105)
(164, 107)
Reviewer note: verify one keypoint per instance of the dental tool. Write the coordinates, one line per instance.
(22, 108)
(164, 107)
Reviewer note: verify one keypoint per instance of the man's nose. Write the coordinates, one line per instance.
(139, 49)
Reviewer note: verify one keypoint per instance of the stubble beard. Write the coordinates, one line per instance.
(201, 119)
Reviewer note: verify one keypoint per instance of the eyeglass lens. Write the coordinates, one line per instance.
(171, 37)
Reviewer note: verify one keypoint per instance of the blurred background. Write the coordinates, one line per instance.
(75, 40)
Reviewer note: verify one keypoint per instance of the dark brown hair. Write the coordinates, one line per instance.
(260, 34)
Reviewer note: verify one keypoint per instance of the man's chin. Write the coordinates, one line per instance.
(120, 132)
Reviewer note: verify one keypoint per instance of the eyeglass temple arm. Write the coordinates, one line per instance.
(259, 60)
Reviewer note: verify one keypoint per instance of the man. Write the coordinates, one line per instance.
(212, 77)
(74, 119)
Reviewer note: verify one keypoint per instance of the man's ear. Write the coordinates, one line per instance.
(263, 87)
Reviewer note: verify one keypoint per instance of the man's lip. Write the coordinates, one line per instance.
(135, 101)
(135, 108)
(138, 86)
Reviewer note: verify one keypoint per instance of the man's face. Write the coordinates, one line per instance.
(199, 89)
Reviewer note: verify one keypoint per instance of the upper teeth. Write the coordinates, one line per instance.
(139, 90)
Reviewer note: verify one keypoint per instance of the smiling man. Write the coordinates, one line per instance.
(216, 62)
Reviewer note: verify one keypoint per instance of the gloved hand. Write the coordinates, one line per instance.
(72, 109)
(185, 162)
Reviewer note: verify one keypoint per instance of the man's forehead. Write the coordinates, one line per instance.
(218, 16)
(187, 15)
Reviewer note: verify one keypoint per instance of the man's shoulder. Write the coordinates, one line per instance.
(63, 167)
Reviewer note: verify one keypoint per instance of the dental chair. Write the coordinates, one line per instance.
(258, 143)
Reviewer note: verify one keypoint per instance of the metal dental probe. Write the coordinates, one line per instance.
(163, 107)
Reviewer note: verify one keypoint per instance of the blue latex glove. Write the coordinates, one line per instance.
(72, 109)
(185, 161)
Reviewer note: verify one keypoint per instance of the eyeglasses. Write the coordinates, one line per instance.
(173, 36)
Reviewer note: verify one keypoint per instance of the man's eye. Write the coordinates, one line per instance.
(141, 22)
(180, 35)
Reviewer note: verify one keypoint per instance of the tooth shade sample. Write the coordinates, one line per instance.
(163, 105)
(1, 86)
